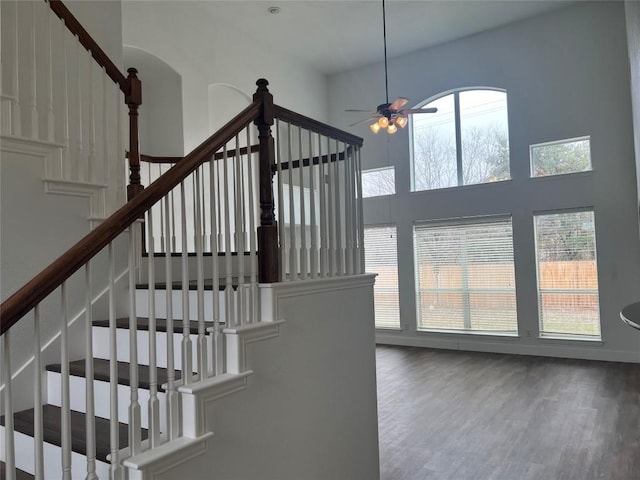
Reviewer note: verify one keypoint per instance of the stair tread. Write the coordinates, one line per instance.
(20, 475)
(143, 324)
(51, 415)
(193, 284)
(101, 369)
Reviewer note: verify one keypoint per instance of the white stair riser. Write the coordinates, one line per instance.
(142, 304)
(52, 459)
(102, 395)
(176, 267)
(101, 347)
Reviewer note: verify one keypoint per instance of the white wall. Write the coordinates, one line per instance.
(160, 117)
(172, 31)
(309, 411)
(566, 75)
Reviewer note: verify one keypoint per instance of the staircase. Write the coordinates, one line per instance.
(234, 345)
(137, 328)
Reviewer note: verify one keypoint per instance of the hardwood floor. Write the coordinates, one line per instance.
(450, 415)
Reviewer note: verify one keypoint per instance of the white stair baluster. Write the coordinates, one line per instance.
(65, 422)
(80, 166)
(253, 261)
(361, 267)
(92, 170)
(322, 185)
(134, 405)
(33, 77)
(228, 288)
(153, 404)
(216, 348)
(313, 251)
(331, 216)
(66, 170)
(187, 363)
(338, 214)
(293, 250)
(89, 375)
(114, 433)
(240, 233)
(105, 130)
(38, 444)
(303, 223)
(50, 114)
(348, 206)
(284, 253)
(9, 434)
(16, 114)
(172, 394)
(202, 344)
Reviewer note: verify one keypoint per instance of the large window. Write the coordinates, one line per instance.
(378, 181)
(465, 142)
(567, 274)
(563, 156)
(465, 279)
(381, 257)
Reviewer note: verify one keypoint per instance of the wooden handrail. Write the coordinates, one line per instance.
(282, 113)
(36, 290)
(90, 44)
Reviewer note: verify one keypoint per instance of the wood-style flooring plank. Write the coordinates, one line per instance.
(483, 416)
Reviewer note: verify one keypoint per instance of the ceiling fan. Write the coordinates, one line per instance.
(389, 115)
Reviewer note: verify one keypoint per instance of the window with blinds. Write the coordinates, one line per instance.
(381, 257)
(568, 302)
(465, 278)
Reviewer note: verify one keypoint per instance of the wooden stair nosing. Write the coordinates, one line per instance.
(142, 324)
(101, 369)
(23, 423)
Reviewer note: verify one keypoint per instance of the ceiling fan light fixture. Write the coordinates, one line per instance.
(391, 129)
(401, 121)
(383, 122)
(375, 128)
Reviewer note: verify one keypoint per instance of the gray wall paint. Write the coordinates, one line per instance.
(632, 10)
(567, 75)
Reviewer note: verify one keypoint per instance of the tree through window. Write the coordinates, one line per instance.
(466, 142)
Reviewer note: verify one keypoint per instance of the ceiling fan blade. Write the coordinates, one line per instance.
(370, 119)
(410, 111)
(357, 110)
(398, 103)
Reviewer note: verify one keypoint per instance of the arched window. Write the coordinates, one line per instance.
(466, 142)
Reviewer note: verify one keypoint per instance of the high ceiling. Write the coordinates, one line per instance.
(334, 35)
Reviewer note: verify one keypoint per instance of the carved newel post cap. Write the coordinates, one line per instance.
(262, 84)
(132, 71)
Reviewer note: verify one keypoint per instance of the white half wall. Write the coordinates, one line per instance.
(309, 411)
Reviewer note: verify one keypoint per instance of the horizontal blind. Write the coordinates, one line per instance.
(381, 257)
(465, 278)
(568, 301)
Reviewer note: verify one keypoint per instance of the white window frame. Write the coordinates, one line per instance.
(559, 142)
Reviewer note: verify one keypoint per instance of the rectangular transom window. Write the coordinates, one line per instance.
(378, 181)
(568, 302)
(564, 156)
(465, 278)
(381, 257)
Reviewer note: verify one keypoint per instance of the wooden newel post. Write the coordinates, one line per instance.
(268, 251)
(134, 99)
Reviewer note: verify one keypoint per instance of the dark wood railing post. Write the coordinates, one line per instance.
(133, 99)
(268, 252)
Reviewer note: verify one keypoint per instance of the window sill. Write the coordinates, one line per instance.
(470, 333)
(554, 338)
